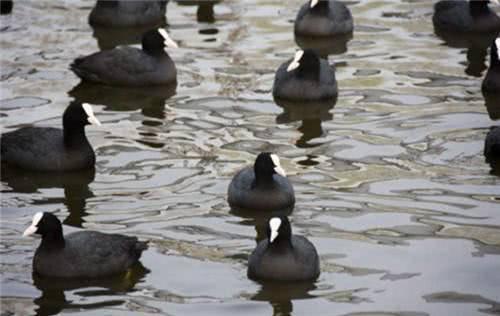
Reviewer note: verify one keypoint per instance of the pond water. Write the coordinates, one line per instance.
(391, 183)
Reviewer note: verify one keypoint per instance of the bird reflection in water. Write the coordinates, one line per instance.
(310, 113)
(75, 185)
(476, 45)
(205, 11)
(150, 100)
(53, 298)
(281, 294)
(325, 46)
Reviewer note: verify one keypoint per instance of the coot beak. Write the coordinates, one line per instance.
(295, 62)
(167, 40)
(30, 231)
(90, 114)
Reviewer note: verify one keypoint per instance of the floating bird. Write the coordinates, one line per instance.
(130, 66)
(283, 256)
(263, 187)
(83, 254)
(52, 149)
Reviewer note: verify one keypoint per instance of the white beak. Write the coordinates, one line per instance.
(30, 230)
(295, 62)
(33, 227)
(313, 3)
(497, 44)
(274, 234)
(280, 171)
(90, 114)
(274, 224)
(167, 40)
(277, 165)
(94, 121)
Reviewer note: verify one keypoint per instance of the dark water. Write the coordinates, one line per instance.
(391, 183)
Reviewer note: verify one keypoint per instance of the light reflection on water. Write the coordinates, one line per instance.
(390, 182)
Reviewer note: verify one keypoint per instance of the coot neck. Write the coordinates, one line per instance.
(478, 8)
(263, 179)
(310, 74)
(74, 135)
(281, 244)
(53, 240)
(153, 45)
(309, 68)
(321, 8)
(154, 51)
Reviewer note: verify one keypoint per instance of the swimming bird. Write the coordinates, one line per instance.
(472, 16)
(263, 187)
(52, 149)
(306, 77)
(323, 19)
(83, 254)
(130, 66)
(283, 256)
(112, 13)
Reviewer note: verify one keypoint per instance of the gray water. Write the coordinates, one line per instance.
(391, 184)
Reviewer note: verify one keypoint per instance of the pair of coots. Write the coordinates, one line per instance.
(91, 254)
(264, 189)
(307, 77)
(85, 254)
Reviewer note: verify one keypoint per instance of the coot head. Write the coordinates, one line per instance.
(78, 115)
(479, 7)
(306, 64)
(155, 41)
(266, 165)
(316, 6)
(44, 224)
(279, 230)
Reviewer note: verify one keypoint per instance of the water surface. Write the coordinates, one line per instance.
(391, 184)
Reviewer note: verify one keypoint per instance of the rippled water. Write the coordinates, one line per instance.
(391, 184)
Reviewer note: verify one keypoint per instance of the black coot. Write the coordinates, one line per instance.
(323, 19)
(113, 13)
(283, 256)
(52, 149)
(465, 16)
(262, 187)
(306, 77)
(130, 66)
(84, 254)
